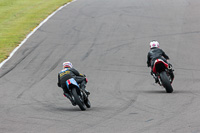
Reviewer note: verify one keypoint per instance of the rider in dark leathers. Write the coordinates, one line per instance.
(67, 73)
(156, 53)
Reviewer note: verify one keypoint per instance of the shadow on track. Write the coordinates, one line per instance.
(164, 92)
(67, 109)
(155, 91)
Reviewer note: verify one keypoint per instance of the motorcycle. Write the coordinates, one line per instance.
(79, 97)
(165, 75)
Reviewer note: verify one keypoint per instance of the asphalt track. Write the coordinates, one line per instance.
(107, 40)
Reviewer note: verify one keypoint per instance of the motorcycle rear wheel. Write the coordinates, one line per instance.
(165, 82)
(79, 101)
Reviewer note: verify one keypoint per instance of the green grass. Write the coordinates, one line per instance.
(19, 17)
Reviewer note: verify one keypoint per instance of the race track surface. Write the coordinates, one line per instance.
(107, 40)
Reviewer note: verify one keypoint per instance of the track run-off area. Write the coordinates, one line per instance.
(108, 40)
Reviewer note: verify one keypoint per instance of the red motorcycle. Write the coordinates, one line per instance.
(164, 73)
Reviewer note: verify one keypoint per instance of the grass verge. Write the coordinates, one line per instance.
(19, 17)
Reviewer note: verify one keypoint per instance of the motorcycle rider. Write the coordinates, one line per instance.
(69, 72)
(157, 53)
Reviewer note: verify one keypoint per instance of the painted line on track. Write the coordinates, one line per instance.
(32, 32)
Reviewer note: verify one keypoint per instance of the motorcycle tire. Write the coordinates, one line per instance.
(79, 101)
(165, 82)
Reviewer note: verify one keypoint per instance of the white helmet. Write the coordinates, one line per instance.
(154, 44)
(67, 65)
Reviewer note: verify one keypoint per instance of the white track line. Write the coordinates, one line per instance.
(32, 32)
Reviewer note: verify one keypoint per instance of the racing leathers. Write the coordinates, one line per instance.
(68, 73)
(156, 53)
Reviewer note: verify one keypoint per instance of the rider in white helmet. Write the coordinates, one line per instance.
(69, 72)
(154, 44)
(155, 53)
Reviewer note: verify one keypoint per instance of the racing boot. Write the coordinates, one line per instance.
(171, 72)
(170, 68)
(154, 76)
(83, 87)
(85, 90)
(156, 79)
(70, 98)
